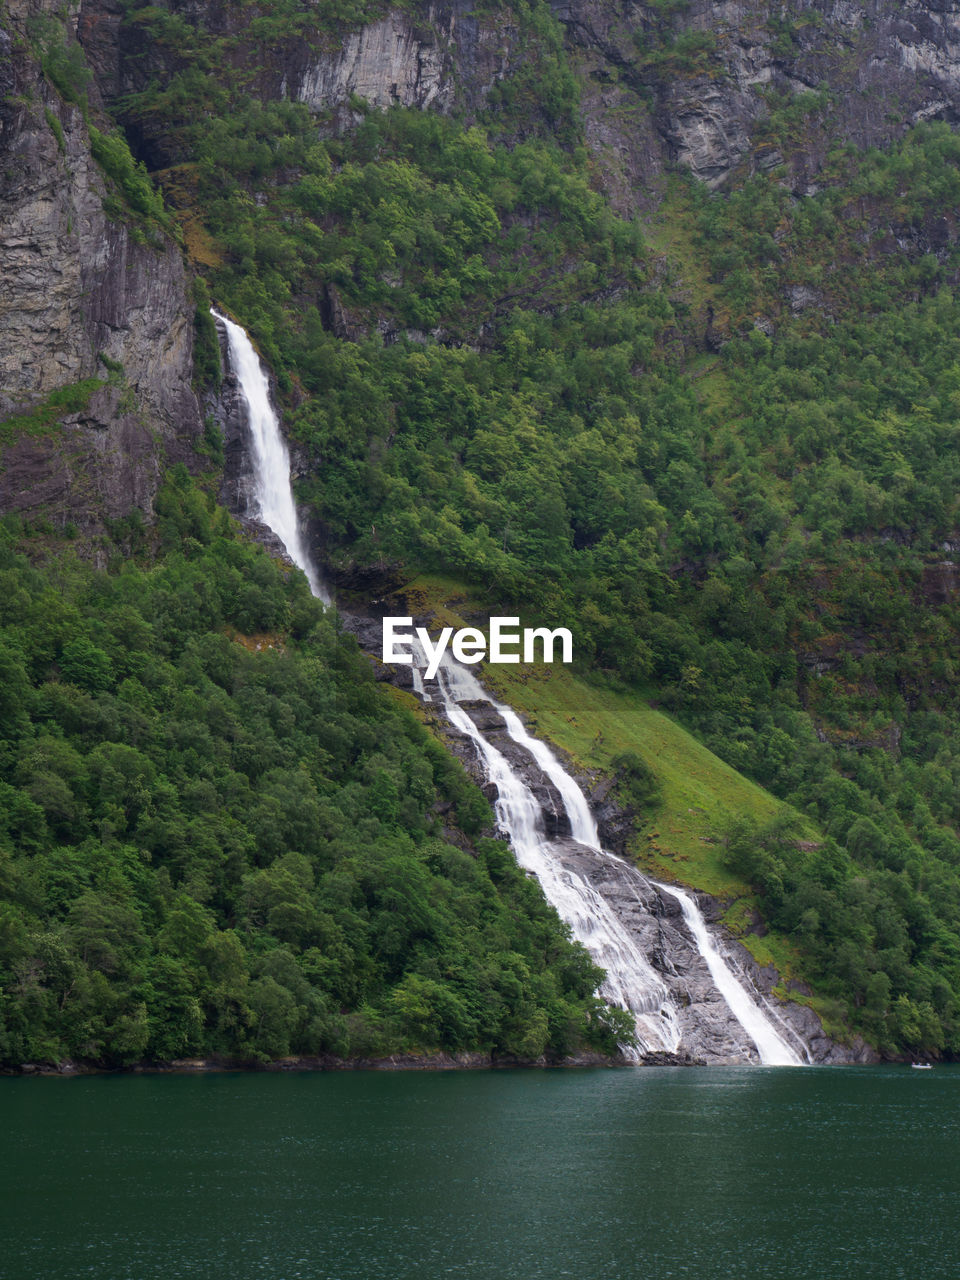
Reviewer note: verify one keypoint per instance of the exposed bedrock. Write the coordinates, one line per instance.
(884, 65)
(710, 1033)
(709, 1029)
(85, 296)
(691, 85)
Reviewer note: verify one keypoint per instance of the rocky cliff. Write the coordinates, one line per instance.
(718, 88)
(92, 305)
(714, 86)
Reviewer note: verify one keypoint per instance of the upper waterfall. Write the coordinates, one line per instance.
(271, 458)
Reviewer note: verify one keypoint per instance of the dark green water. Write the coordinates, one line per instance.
(749, 1173)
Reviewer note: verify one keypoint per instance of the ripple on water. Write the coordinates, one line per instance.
(833, 1174)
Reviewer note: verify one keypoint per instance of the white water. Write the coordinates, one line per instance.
(270, 456)
(631, 981)
(418, 688)
(772, 1048)
(787, 1033)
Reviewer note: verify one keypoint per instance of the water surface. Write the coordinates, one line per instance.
(624, 1174)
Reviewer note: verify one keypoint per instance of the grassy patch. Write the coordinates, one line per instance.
(56, 128)
(44, 417)
(700, 793)
(134, 191)
(771, 948)
(444, 597)
(594, 723)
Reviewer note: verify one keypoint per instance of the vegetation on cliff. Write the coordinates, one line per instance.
(722, 438)
(219, 835)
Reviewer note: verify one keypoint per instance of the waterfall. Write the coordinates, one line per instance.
(273, 495)
(771, 1046)
(631, 981)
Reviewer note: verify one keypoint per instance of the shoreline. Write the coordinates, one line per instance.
(219, 1064)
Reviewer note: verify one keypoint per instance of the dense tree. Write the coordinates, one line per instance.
(747, 502)
(207, 849)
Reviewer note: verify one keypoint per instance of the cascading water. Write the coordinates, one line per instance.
(771, 1046)
(269, 454)
(631, 981)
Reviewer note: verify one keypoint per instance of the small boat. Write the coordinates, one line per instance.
(921, 1066)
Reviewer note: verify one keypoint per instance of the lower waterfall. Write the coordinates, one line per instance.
(632, 982)
(771, 1046)
(563, 868)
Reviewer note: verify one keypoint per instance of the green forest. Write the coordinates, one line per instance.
(747, 509)
(220, 836)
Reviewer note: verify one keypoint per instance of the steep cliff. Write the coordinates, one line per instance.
(720, 86)
(714, 86)
(717, 88)
(96, 305)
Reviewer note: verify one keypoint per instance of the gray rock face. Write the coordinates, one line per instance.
(615, 823)
(710, 1032)
(387, 62)
(884, 66)
(442, 57)
(696, 86)
(77, 284)
(435, 55)
(229, 413)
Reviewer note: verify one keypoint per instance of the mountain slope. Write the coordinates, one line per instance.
(719, 438)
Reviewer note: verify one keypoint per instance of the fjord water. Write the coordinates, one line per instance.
(757, 1173)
